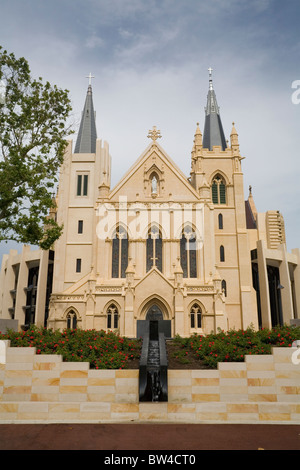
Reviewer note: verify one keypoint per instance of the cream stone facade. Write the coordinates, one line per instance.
(160, 244)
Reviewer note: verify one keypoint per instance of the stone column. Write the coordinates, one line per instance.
(7, 280)
(178, 324)
(41, 289)
(286, 292)
(263, 285)
(296, 252)
(22, 283)
(129, 325)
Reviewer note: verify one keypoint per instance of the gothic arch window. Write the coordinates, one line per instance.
(112, 317)
(224, 287)
(188, 252)
(196, 316)
(154, 249)
(119, 253)
(71, 320)
(222, 253)
(218, 190)
(220, 221)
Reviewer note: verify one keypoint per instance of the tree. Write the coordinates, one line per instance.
(33, 128)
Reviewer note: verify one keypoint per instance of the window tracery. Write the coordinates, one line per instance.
(188, 252)
(119, 253)
(218, 190)
(196, 316)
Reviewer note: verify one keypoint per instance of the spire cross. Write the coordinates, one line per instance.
(154, 134)
(210, 78)
(90, 76)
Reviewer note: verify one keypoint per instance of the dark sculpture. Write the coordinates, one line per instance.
(153, 371)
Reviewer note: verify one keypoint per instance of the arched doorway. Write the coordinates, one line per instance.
(155, 321)
(154, 316)
(154, 313)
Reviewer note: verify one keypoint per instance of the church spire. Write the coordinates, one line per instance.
(87, 135)
(213, 129)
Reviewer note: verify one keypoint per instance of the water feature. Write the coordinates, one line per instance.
(153, 381)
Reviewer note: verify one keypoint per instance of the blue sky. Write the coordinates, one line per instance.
(150, 61)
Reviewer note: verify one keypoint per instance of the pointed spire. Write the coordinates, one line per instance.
(234, 136)
(234, 141)
(178, 272)
(252, 204)
(197, 143)
(213, 129)
(198, 136)
(87, 135)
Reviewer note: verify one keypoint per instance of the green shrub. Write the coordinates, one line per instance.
(111, 351)
(102, 350)
(234, 345)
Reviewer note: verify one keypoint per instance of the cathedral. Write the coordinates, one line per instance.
(158, 245)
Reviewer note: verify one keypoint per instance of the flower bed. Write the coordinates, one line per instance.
(233, 345)
(110, 351)
(102, 350)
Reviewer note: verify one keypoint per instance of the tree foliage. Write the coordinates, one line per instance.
(33, 129)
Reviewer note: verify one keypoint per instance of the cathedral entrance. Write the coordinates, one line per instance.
(154, 323)
(154, 314)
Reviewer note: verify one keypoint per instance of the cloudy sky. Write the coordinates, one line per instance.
(150, 61)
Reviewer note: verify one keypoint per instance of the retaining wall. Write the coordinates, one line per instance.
(43, 388)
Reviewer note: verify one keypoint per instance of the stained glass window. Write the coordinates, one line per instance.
(154, 249)
(188, 253)
(112, 317)
(195, 314)
(222, 253)
(218, 190)
(80, 226)
(220, 220)
(78, 265)
(71, 320)
(119, 253)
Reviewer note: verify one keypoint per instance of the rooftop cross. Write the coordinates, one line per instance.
(213, 134)
(90, 76)
(87, 134)
(154, 134)
(210, 78)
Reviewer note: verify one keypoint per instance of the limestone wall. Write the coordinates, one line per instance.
(43, 388)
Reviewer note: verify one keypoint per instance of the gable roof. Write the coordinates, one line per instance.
(154, 271)
(154, 148)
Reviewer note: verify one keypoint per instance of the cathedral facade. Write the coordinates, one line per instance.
(160, 244)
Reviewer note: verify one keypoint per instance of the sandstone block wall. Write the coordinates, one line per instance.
(43, 388)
